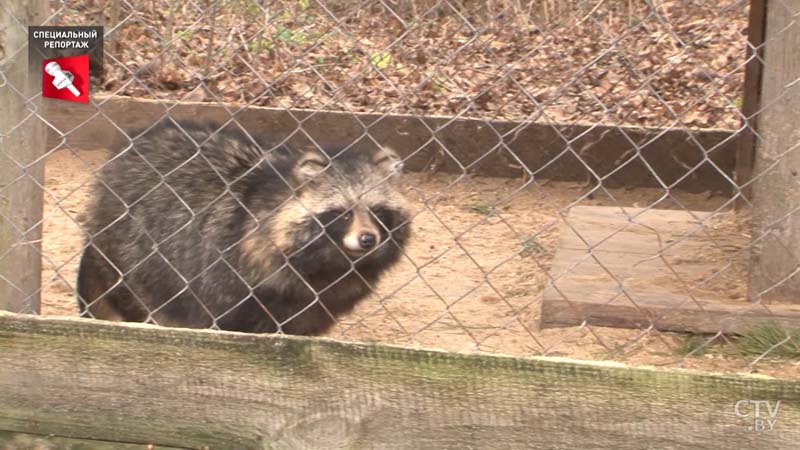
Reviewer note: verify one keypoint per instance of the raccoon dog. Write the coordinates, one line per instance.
(193, 226)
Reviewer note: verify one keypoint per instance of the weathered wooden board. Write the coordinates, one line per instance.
(22, 142)
(754, 55)
(775, 268)
(21, 441)
(487, 147)
(191, 388)
(635, 268)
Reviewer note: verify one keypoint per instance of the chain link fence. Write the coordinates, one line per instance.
(576, 183)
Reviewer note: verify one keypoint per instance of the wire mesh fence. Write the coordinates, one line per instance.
(571, 182)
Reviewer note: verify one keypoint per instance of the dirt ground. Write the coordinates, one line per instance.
(471, 278)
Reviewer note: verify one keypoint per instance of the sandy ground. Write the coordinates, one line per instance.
(471, 278)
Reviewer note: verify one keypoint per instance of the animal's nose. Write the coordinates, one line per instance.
(367, 240)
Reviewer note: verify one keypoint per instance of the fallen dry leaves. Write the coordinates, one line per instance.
(679, 63)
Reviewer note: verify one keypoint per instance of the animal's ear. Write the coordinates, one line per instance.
(388, 160)
(310, 164)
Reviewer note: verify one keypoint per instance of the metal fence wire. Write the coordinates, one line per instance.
(572, 176)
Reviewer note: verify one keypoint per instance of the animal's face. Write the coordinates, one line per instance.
(354, 198)
(346, 209)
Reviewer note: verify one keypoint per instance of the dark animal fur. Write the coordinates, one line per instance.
(195, 227)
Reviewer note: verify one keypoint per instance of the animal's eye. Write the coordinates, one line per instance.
(385, 216)
(348, 215)
(331, 216)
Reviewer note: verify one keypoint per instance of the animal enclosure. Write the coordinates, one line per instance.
(598, 180)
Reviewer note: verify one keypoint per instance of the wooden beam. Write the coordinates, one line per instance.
(775, 265)
(493, 148)
(754, 54)
(22, 143)
(21, 441)
(634, 269)
(192, 388)
(614, 309)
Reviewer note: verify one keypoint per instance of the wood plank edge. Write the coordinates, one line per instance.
(557, 313)
(11, 440)
(47, 325)
(101, 100)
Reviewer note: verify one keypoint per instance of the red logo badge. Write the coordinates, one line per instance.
(66, 78)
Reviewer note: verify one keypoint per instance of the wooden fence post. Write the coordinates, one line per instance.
(775, 264)
(22, 142)
(754, 54)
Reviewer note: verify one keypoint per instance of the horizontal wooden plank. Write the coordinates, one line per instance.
(192, 388)
(486, 147)
(611, 229)
(21, 441)
(638, 267)
(664, 312)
